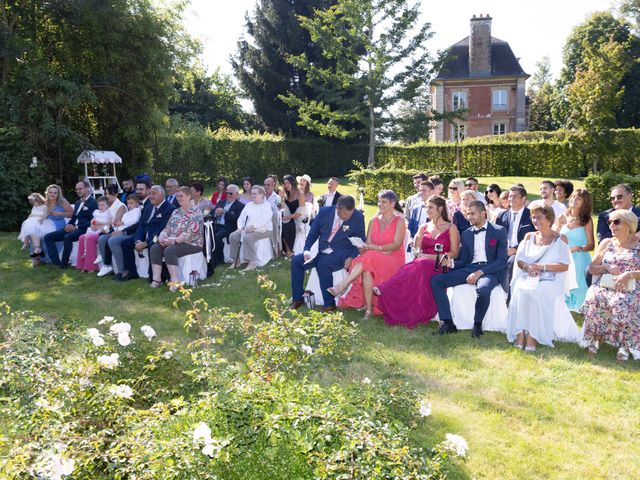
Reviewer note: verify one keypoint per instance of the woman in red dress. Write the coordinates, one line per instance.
(406, 298)
(379, 259)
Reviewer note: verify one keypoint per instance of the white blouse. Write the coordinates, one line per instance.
(129, 218)
(258, 215)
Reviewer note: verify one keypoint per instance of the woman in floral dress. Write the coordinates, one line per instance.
(612, 307)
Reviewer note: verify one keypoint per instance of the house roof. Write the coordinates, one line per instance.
(503, 62)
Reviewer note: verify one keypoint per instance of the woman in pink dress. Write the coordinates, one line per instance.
(379, 259)
(406, 298)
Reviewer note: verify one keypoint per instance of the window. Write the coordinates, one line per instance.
(499, 99)
(458, 132)
(499, 128)
(459, 99)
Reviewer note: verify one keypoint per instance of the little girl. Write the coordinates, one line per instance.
(31, 226)
(88, 243)
(130, 217)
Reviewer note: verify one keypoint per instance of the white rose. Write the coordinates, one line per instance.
(456, 444)
(106, 319)
(122, 391)
(167, 355)
(366, 381)
(202, 433)
(148, 331)
(123, 339)
(118, 328)
(306, 349)
(109, 361)
(425, 409)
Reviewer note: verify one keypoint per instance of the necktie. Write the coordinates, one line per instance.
(153, 213)
(478, 230)
(334, 230)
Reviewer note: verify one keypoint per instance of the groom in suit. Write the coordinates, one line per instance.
(482, 262)
(70, 233)
(332, 228)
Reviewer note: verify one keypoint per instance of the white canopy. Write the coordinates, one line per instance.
(99, 156)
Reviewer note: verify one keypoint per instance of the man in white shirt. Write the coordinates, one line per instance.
(330, 198)
(411, 201)
(272, 197)
(171, 187)
(546, 190)
(471, 183)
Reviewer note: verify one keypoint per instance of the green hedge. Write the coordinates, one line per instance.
(600, 188)
(400, 180)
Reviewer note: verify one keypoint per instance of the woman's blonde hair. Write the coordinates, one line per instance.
(626, 217)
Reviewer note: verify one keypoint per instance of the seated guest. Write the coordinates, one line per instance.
(621, 199)
(88, 241)
(577, 226)
(517, 222)
(504, 200)
(613, 301)
(182, 235)
(294, 201)
(110, 245)
(255, 222)
(31, 226)
(245, 196)
(406, 298)
(330, 198)
(272, 198)
(438, 184)
(70, 233)
(332, 228)
(128, 188)
(171, 188)
(471, 183)
(129, 218)
(541, 263)
(220, 193)
(226, 214)
(205, 206)
(152, 221)
(456, 187)
(562, 191)
(482, 262)
(304, 183)
(460, 219)
(546, 190)
(416, 199)
(271, 194)
(492, 197)
(418, 215)
(58, 210)
(380, 258)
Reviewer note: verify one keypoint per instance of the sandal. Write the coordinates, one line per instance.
(594, 347)
(154, 284)
(336, 290)
(376, 291)
(367, 315)
(622, 355)
(37, 252)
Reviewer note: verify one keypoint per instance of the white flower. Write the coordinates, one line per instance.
(300, 331)
(84, 382)
(53, 467)
(148, 331)
(202, 433)
(306, 349)
(95, 336)
(212, 448)
(167, 355)
(425, 408)
(118, 328)
(42, 403)
(122, 391)
(106, 319)
(366, 381)
(34, 162)
(456, 444)
(109, 361)
(123, 339)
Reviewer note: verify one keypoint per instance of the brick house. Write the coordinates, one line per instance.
(481, 74)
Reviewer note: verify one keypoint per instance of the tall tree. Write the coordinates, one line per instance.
(542, 94)
(377, 52)
(272, 33)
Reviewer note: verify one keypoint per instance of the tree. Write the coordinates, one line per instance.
(542, 94)
(595, 94)
(272, 33)
(376, 56)
(211, 100)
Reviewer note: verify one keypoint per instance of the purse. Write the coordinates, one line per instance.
(544, 276)
(608, 281)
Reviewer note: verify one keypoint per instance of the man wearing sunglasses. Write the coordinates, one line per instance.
(621, 198)
(471, 183)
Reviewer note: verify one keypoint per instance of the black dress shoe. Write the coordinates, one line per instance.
(477, 331)
(446, 327)
(117, 277)
(296, 304)
(125, 277)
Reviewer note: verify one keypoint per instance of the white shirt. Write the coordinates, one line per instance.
(274, 201)
(129, 218)
(480, 197)
(514, 225)
(479, 251)
(226, 208)
(329, 199)
(558, 208)
(256, 215)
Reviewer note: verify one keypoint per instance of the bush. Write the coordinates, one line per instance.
(600, 187)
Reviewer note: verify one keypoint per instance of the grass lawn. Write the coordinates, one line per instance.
(554, 414)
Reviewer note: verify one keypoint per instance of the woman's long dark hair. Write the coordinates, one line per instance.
(441, 203)
(392, 197)
(294, 185)
(584, 215)
(496, 188)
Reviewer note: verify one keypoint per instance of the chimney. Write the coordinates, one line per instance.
(480, 46)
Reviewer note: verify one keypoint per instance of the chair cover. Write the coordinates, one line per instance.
(189, 263)
(463, 299)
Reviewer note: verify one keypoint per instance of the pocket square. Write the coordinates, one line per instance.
(493, 242)
(159, 215)
(85, 208)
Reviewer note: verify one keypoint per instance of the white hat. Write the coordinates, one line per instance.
(304, 177)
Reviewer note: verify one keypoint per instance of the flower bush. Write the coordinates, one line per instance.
(241, 401)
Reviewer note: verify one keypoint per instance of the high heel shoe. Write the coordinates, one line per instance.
(367, 315)
(336, 290)
(376, 291)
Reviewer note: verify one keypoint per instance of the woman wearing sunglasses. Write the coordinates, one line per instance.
(456, 187)
(613, 300)
(492, 196)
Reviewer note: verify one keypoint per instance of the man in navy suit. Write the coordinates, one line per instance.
(332, 228)
(517, 222)
(482, 262)
(226, 213)
(621, 198)
(70, 233)
(152, 221)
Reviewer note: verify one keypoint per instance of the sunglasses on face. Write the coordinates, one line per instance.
(616, 197)
(453, 188)
(617, 221)
(469, 184)
(490, 190)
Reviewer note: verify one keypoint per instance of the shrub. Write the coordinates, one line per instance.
(600, 187)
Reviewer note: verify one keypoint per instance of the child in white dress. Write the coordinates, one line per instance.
(32, 224)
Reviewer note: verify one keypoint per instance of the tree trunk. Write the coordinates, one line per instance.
(372, 114)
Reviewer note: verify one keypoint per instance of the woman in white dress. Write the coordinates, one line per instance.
(537, 311)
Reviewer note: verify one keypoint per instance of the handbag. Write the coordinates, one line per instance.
(608, 281)
(544, 276)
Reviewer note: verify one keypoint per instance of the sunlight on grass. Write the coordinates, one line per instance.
(31, 296)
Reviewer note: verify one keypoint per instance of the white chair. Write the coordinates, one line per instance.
(408, 255)
(313, 284)
(302, 229)
(73, 258)
(142, 263)
(462, 299)
(264, 252)
(196, 262)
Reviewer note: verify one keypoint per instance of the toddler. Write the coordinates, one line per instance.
(88, 243)
(31, 226)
